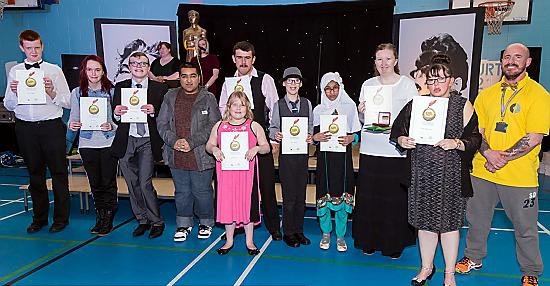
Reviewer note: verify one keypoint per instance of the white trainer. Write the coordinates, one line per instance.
(182, 233)
(325, 241)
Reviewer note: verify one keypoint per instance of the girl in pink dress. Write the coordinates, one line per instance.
(238, 203)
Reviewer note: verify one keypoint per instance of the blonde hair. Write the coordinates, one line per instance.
(238, 95)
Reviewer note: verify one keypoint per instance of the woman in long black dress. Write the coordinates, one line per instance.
(380, 214)
(440, 180)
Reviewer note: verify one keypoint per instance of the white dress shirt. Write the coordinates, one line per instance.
(37, 112)
(268, 89)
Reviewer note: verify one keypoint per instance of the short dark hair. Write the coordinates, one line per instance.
(189, 65)
(29, 35)
(138, 55)
(165, 44)
(244, 46)
(440, 62)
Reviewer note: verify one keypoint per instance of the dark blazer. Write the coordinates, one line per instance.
(155, 95)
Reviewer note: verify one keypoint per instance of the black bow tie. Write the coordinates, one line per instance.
(513, 86)
(35, 65)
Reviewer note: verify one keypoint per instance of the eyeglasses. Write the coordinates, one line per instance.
(334, 88)
(139, 64)
(293, 80)
(431, 81)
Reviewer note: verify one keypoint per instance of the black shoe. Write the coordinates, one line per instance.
(291, 240)
(95, 228)
(156, 231)
(141, 229)
(302, 239)
(276, 235)
(418, 282)
(57, 227)
(395, 255)
(106, 222)
(224, 251)
(368, 251)
(36, 226)
(253, 252)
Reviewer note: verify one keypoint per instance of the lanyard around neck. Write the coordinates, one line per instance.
(503, 107)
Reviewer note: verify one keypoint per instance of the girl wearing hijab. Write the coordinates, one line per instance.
(335, 180)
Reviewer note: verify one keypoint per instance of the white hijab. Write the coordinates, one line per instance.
(343, 104)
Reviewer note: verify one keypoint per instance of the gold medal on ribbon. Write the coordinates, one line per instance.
(378, 99)
(333, 127)
(239, 86)
(93, 109)
(429, 113)
(30, 82)
(294, 129)
(134, 100)
(235, 145)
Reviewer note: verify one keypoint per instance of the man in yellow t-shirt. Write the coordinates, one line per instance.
(514, 115)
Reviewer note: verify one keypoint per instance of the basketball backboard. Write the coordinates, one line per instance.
(521, 13)
(24, 4)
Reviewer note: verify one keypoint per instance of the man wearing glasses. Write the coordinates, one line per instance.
(293, 168)
(138, 145)
(264, 94)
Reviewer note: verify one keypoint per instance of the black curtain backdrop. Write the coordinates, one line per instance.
(347, 34)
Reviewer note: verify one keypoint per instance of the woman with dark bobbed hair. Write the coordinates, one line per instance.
(440, 174)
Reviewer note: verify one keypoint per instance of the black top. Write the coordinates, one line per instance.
(165, 70)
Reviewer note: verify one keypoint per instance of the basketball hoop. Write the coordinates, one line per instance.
(495, 12)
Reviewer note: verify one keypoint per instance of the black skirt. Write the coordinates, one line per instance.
(380, 214)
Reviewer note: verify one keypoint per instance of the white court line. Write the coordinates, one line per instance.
(12, 215)
(544, 229)
(253, 262)
(195, 261)
(11, 185)
(18, 213)
(540, 211)
(11, 202)
(507, 229)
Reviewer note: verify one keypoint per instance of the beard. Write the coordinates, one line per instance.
(512, 75)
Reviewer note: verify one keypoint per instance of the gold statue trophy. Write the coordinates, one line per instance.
(192, 35)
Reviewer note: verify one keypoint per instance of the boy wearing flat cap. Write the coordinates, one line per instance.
(293, 168)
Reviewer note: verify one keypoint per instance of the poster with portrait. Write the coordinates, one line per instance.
(117, 39)
(457, 33)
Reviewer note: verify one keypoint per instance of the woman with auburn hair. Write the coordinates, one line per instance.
(95, 146)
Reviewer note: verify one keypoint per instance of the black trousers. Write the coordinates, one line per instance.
(101, 168)
(266, 168)
(293, 175)
(42, 145)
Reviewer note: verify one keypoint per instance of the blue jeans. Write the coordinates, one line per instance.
(194, 196)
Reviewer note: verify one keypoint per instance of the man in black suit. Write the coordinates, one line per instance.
(138, 145)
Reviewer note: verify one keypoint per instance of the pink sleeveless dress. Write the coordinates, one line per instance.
(238, 194)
